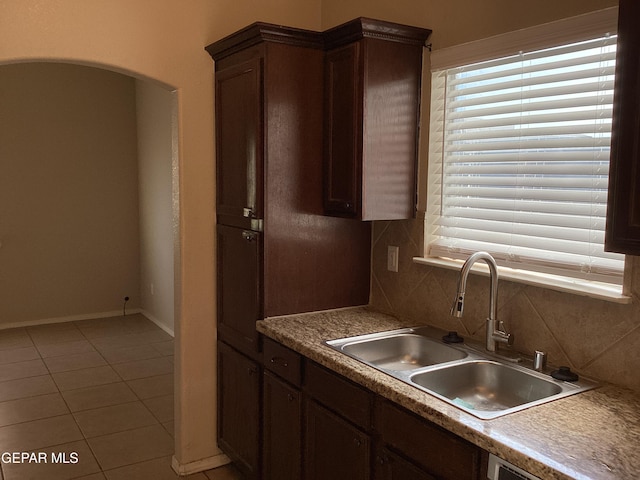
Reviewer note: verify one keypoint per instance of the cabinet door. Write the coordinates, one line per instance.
(282, 429)
(390, 466)
(623, 209)
(443, 454)
(334, 449)
(239, 409)
(239, 143)
(239, 286)
(343, 144)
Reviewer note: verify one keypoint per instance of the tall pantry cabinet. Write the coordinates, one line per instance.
(276, 251)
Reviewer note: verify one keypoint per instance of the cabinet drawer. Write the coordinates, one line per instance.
(441, 453)
(282, 361)
(339, 394)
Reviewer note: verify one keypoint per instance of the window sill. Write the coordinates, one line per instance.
(574, 286)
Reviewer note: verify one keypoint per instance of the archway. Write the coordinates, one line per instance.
(161, 48)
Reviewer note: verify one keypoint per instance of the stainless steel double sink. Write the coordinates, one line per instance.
(476, 382)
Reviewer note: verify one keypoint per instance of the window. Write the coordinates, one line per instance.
(518, 160)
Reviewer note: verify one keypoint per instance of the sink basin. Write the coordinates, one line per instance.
(488, 389)
(482, 384)
(400, 351)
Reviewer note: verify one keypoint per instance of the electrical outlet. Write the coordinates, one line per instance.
(392, 258)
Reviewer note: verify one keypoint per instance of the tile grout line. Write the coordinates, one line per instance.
(59, 392)
(549, 330)
(139, 399)
(610, 347)
(75, 421)
(86, 440)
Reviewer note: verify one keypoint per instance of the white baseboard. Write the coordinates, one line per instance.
(86, 316)
(208, 463)
(70, 318)
(170, 331)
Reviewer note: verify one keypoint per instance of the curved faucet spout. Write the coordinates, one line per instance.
(458, 304)
(493, 335)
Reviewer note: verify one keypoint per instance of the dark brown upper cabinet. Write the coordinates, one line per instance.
(239, 103)
(623, 209)
(372, 80)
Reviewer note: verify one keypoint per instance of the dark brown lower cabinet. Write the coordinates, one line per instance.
(239, 409)
(434, 450)
(319, 425)
(391, 466)
(334, 448)
(282, 431)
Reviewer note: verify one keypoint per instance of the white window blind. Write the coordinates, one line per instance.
(519, 159)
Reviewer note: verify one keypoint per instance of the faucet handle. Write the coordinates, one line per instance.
(499, 335)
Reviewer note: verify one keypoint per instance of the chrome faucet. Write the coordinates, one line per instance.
(493, 335)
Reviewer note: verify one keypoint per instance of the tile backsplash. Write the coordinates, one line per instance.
(594, 337)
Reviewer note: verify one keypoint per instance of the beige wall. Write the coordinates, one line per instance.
(72, 194)
(163, 40)
(154, 107)
(459, 21)
(68, 193)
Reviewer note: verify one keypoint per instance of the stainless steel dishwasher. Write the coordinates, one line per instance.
(500, 469)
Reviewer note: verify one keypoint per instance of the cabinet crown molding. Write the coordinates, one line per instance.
(263, 32)
(348, 32)
(363, 27)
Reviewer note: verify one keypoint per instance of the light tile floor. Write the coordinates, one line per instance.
(99, 391)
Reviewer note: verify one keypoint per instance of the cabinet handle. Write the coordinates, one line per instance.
(249, 236)
(338, 205)
(357, 442)
(381, 460)
(290, 397)
(279, 360)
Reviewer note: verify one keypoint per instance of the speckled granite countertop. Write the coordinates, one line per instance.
(593, 435)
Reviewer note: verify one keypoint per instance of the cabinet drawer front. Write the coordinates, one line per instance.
(282, 361)
(438, 451)
(339, 394)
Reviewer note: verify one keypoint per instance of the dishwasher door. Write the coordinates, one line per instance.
(502, 470)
